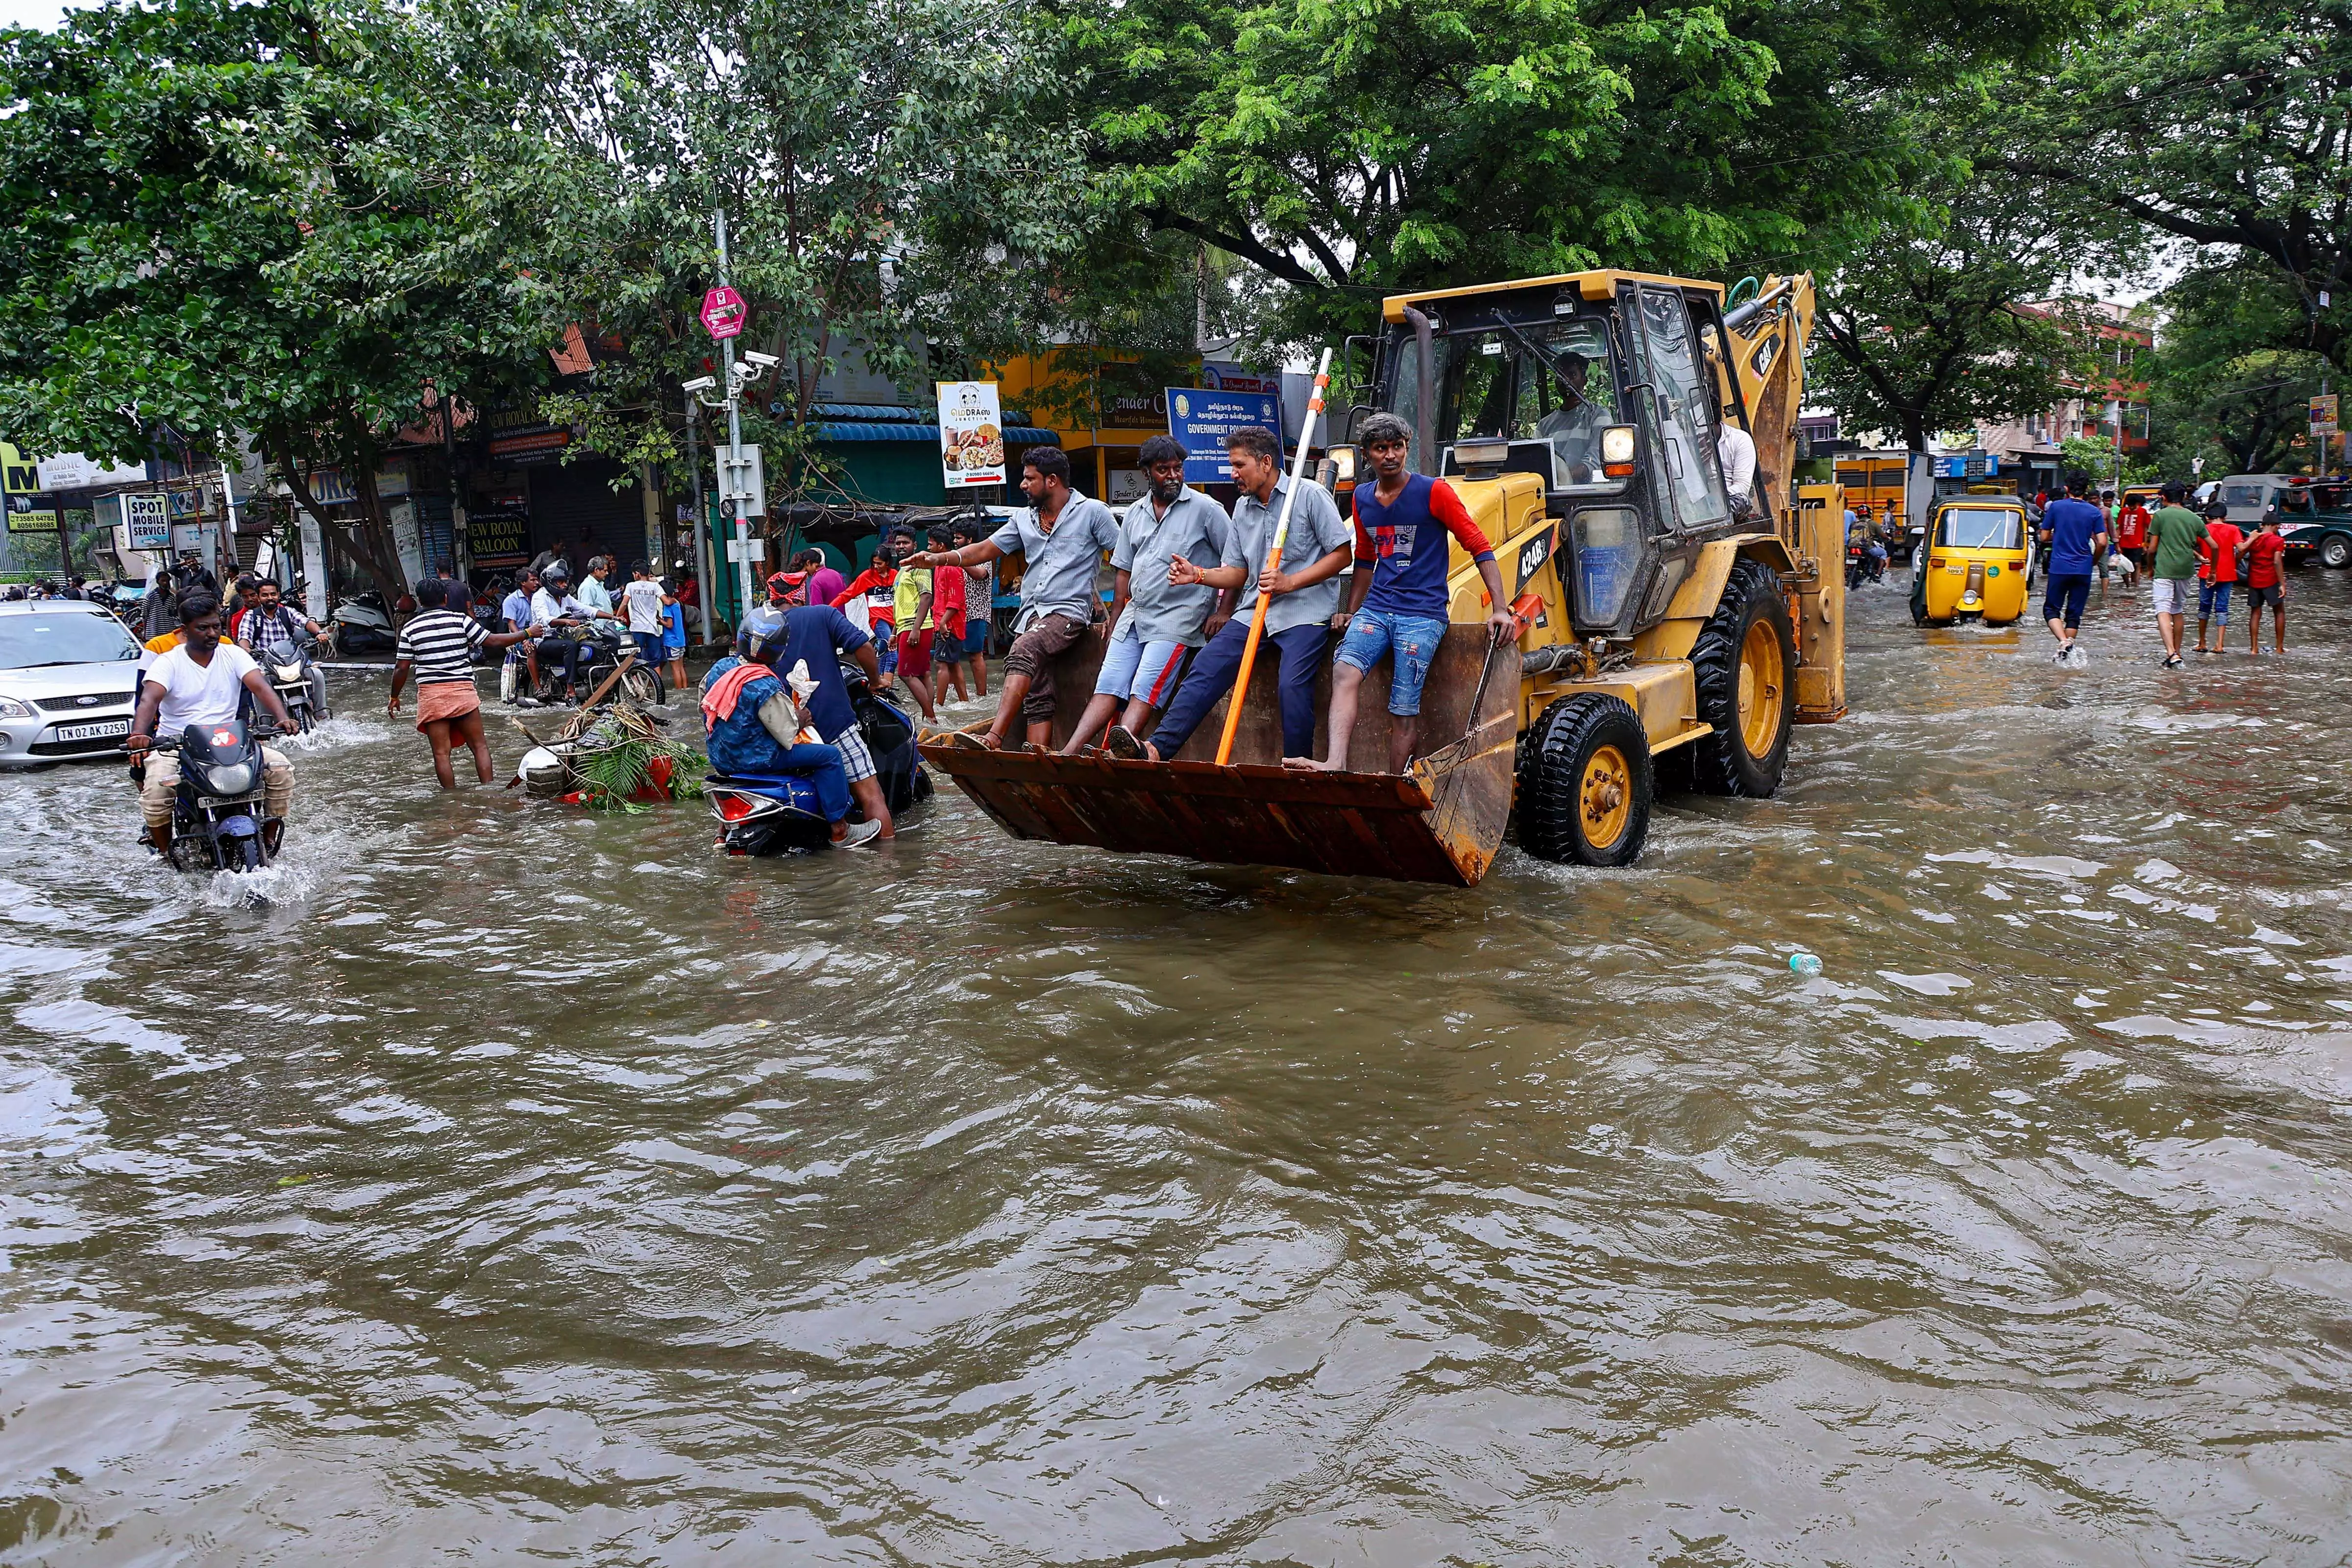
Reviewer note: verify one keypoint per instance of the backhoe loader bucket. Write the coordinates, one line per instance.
(1443, 822)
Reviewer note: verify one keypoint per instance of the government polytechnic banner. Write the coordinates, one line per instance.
(1200, 418)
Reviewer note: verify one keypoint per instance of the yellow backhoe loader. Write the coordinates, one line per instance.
(1671, 635)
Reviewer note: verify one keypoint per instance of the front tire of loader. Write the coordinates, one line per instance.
(1585, 784)
(1745, 665)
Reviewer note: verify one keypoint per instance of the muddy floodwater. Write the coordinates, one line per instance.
(517, 1187)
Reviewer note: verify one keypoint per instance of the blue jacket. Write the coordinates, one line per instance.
(739, 744)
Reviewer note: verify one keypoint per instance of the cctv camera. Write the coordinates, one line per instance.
(703, 383)
(765, 362)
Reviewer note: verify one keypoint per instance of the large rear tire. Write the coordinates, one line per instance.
(1745, 665)
(1586, 783)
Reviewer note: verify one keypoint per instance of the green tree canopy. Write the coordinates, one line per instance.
(2220, 390)
(2221, 123)
(283, 218)
(1350, 147)
(875, 160)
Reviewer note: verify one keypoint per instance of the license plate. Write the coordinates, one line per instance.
(99, 732)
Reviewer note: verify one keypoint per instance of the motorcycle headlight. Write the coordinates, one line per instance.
(229, 778)
(12, 709)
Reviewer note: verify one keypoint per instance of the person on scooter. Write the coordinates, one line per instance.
(203, 681)
(274, 632)
(756, 724)
(554, 608)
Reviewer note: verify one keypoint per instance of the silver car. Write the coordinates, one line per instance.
(68, 680)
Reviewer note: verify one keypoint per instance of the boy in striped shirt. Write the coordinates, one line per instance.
(439, 645)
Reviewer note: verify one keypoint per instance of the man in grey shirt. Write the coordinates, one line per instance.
(1063, 538)
(1304, 585)
(1154, 620)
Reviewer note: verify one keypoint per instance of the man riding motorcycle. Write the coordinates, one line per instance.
(274, 632)
(554, 606)
(200, 682)
(1867, 530)
(757, 724)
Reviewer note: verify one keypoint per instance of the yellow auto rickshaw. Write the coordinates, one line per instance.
(1975, 562)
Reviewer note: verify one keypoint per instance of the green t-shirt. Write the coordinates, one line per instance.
(2176, 531)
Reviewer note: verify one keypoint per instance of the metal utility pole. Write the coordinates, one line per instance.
(701, 519)
(734, 431)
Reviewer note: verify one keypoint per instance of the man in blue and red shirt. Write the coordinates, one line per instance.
(1397, 603)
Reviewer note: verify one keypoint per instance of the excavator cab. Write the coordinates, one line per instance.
(1671, 633)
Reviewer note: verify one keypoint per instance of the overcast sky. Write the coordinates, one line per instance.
(31, 13)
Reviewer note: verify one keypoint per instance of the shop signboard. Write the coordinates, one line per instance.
(972, 434)
(498, 535)
(32, 514)
(148, 520)
(19, 475)
(1200, 418)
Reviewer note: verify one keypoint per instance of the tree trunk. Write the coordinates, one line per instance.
(369, 545)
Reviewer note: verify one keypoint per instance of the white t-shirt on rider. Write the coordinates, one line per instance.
(199, 693)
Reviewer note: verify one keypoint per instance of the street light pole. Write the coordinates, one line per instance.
(734, 432)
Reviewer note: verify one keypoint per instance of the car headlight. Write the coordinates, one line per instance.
(229, 778)
(12, 709)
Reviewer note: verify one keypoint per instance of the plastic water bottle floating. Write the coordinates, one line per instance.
(1804, 963)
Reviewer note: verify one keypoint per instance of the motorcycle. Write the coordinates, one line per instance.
(779, 814)
(1861, 568)
(216, 815)
(640, 681)
(293, 686)
(362, 625)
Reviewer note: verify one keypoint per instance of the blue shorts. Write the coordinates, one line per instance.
(2213, 601)
(1411, 639)
(649, 647)
(1144, 671)
(975, 634)
(2064, 599)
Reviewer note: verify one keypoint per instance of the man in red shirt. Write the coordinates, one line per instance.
(2265, 585)
(2131, 538)
(2217, 574)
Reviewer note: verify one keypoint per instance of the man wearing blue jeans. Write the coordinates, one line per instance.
(1397, 604)
(2075, 532)
(1154, 622)
(1303, 584)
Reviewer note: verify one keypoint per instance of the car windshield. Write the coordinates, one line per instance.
(63, 636)
(1981, 528)
(1547, 381)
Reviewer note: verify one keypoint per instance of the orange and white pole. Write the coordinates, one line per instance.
(1273, 558)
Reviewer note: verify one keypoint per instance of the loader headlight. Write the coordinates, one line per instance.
(1617, 452)
(229, 778)
(1343, 463)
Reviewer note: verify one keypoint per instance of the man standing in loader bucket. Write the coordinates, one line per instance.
(1397, 602)
(1306, 594)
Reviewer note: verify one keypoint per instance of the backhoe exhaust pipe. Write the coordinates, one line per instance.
(1424, 421)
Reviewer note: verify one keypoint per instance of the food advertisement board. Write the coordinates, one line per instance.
(971, 435)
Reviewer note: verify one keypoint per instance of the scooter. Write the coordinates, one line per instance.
(779, 814)
(362, 625)
(216, 815)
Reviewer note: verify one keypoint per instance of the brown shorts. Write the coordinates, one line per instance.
(1028, 656)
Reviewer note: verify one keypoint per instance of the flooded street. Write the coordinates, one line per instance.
(518, 1187)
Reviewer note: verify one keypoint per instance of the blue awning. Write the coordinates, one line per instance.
(876, 430)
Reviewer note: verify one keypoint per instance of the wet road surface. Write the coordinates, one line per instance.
(519, 1186)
